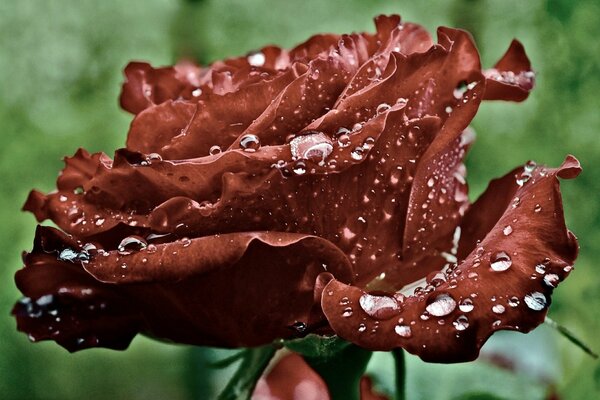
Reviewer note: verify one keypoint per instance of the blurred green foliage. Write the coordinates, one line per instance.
(60, 75)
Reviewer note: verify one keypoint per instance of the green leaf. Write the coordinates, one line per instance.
(571, 337)
(227, 361)
(244, 380)
(317, 346)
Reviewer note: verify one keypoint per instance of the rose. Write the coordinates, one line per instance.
(295, 192)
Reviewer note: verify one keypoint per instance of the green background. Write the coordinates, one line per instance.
(60, 75)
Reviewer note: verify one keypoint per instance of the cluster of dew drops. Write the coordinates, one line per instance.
(383, 307)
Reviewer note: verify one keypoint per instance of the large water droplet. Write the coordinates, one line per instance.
(540, 268)
(513, 301)
(500, 262)
(347, 312)
(214, 150)
(131, 244)
(250, 143)
(383, 107)
(403, 331)
(358, 153)
(379, 307)
(443, 304)
(315, 146)
(536, 301)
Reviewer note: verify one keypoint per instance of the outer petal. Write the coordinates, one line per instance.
(511, 78)
(504, 283)
(198, 291)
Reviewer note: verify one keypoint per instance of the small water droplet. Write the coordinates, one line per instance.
(186, 242)
(466, 305)
(344, 301)
(358, 153)
(498, 308)
(537, 208)
(430, 182)
(461, 323)
(214, 150)
(507, 230)
(197, 92)
(551, 280)
(256, 59)
(362, 327)
(299, 168)
(250, 143)
(540, 269)
(347, 312)
(536, 301)
(131, 244)
(153, 157)
(298, 326)
(500, 262)
(513, 301)
(442, 305)
(383, 107)
(403, 331)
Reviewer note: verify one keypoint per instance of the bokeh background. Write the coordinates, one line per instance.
(60, 76)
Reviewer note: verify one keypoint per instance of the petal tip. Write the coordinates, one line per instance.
(570, 168)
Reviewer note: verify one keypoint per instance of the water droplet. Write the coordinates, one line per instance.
(537, 208)
(344, 301)
(536, 301)
(513, 301)
(214, 150)
(551, 280)
(315, 146)
(379, 307)
(498, 308)
(197, 92)
(299, 168)
(500, 262)
(347, 312)
(383, 107)
(153, 157)
(568, 268)
(507, 230)
(443, 305)
(344, 140)
(403, 331)
(186, 242)
(461, 323)
(516, 201)
(466, 305)
(256, 59)
(298, 326)
(358, 153)
(540, 269)
(250, 143)
(430, 182)
(362, 327)
(131, 244)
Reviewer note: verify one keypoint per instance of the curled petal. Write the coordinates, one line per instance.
(196, 291)
(511, 78)
(504, 282)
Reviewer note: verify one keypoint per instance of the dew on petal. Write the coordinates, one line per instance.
(461, 323)
(131, 244)
(466, 305)
(536, 301)
(250, 143)
(379, 307)
(403, 331)
(442, 305)
(500, 262)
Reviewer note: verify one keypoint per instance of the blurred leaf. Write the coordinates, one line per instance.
(478, 396)
(244, 380)
(571, 337)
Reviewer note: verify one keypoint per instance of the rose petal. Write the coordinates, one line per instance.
(511, 78)
(451, 323)
(197, 291)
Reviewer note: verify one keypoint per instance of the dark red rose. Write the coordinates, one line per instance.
(298, 191)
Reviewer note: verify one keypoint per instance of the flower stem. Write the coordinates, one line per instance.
(342, 372)
(400, 374)
(571, 337)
